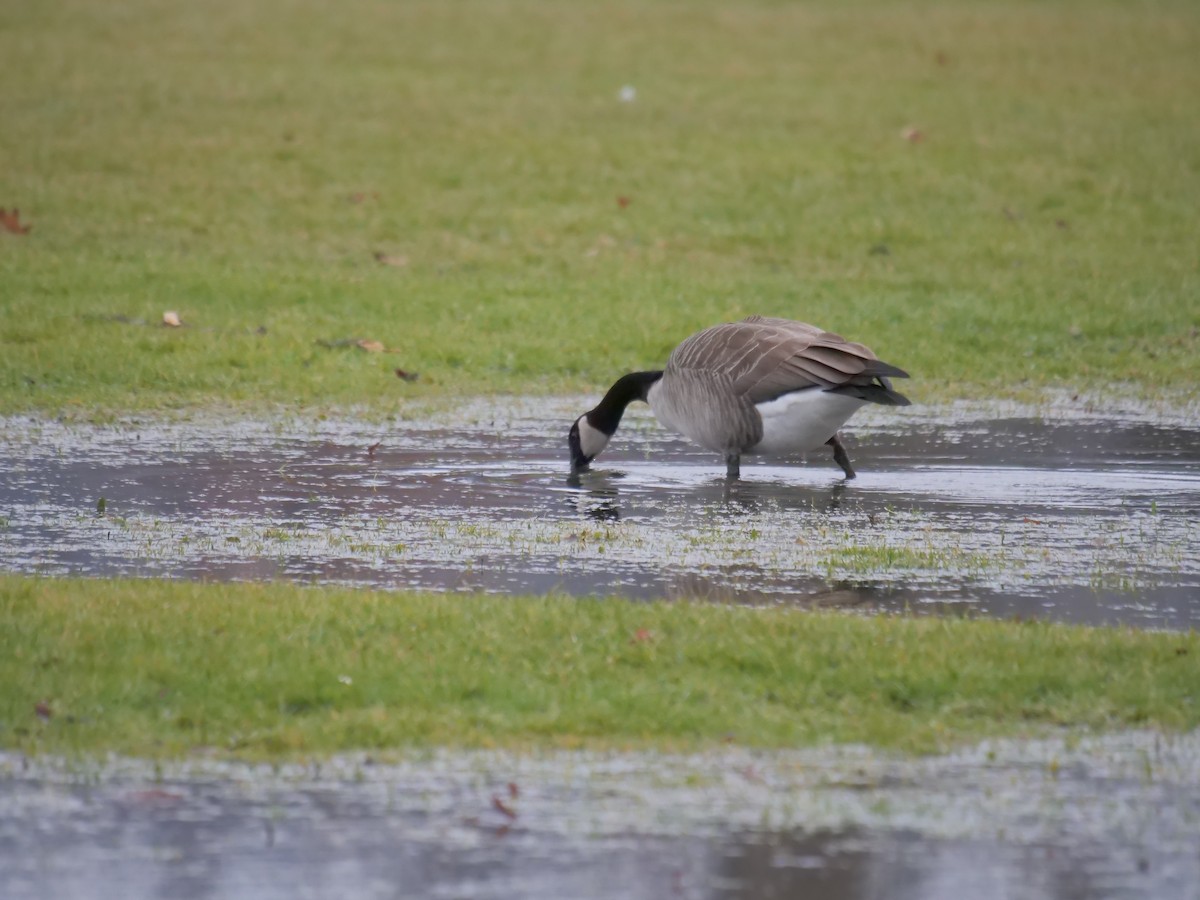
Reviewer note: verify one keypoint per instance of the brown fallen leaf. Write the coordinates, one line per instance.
(396, 261)
(171, 319)
(405, 375)
(365, 344)
(11, 222)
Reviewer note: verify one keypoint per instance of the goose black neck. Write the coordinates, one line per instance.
(607, 414)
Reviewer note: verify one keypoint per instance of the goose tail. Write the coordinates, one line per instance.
(878, 391)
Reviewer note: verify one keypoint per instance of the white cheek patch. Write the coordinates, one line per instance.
(591, 440)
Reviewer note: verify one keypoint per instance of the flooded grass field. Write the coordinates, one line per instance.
(1073, 515)
(1103, 818)
(1067, 514)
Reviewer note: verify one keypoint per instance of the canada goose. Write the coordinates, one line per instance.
(760, 386)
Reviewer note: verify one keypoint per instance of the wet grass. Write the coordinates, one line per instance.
(156, 668)
(874, 560)
(993, 195)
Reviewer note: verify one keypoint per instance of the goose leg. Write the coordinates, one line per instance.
(840, 456)
(733, 466)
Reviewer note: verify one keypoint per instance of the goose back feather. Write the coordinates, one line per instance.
(715, 380)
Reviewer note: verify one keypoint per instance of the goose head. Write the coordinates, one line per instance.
(592, 431)
(586, 442)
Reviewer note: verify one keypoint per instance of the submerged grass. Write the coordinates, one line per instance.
(990, 194)
(156, 668)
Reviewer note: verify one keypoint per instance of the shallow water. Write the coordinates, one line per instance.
(1082, 517)
(1101, 819)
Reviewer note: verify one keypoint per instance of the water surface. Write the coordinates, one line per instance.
(1099, 819)
(1083, 517)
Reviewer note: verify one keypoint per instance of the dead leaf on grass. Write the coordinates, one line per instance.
(367, 345)
(11, 222)
(396, 261)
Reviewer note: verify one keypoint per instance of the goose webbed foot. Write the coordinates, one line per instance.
(840, 456)
(733, 466)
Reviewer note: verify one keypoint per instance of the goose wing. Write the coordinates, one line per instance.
(761, 358)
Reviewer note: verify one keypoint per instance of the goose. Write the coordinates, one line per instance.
(759, 387)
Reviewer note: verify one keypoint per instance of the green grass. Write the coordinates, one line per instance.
(242, 163)
(163, 668)
(205, 158)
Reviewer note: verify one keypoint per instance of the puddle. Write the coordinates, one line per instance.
(1077, 517)
(1104, 818)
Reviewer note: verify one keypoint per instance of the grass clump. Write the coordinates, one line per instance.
(991, 195)
(156, 668)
